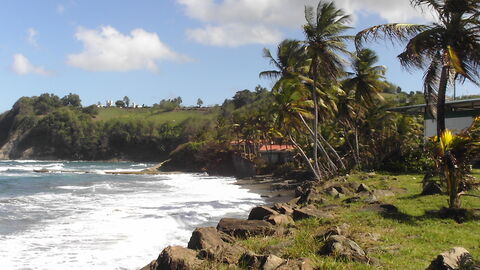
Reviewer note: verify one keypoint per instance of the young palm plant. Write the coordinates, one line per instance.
(453, 154)
(446, 49)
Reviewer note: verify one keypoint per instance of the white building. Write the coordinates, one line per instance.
(459, 114)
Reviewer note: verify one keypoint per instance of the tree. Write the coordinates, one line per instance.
(325, 41)
(199, 102)
(72, 100)
(126, 100)
(447, 50)
(120, 103)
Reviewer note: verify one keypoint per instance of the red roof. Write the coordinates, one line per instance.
(276, 147)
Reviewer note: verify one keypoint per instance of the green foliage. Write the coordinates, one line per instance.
(167, 105)
(72, 100)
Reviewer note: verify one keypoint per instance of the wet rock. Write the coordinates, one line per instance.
(261, 212)
(451, 260)
(342, 247)
(151, 266)
(244, 228)
(309, 212)
(176, 257)
(431, 188)
(205, 238)
(362, 188)
(227, 254)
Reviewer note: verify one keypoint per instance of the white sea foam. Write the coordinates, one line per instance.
(115, 222)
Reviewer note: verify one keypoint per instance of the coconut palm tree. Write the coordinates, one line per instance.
(325, 42)
(362, 90)
(446, 49)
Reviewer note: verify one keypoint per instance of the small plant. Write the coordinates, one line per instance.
(453, 155)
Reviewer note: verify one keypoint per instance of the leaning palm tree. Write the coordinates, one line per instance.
(446, 49)
(325, 42)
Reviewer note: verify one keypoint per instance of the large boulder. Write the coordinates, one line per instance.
(261, 212)
(303, 264)
(309, 212)
(342, 247)
(178, 258)
(283, 208)
(244, 228)
(205, 238)
(451, 260)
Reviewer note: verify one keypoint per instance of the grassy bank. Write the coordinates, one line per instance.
(151, 114)
(409, 239)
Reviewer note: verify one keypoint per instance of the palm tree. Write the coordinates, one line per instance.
(362, 89)
(325, 41)
(446, 49)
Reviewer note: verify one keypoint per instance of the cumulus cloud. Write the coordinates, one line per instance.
(233, 35)
(107, 49)
(22, 66)
(32, 36)
(239, 22)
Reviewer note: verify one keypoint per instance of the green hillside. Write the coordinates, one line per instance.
(152, 114)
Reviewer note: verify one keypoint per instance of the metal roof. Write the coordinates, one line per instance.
(455, 105)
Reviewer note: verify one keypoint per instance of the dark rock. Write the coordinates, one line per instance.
(250, 260)
(362, 188)
(342, 247)
(309, 212)
(352, 199)
(283, 208)
(451, 260)
(431, 188)
(228, 254)
(381, 208)
(176, 257)
(151, 266)
(312, 196)
(244, 228)
(261, 212)
(205, 238)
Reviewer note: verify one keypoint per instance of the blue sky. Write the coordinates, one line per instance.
(154, 49)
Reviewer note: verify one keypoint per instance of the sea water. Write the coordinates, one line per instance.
(77, 216)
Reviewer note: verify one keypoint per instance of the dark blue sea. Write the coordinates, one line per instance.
(84, 218)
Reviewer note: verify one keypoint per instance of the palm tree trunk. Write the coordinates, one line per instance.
(319, 145)
(315, 121)
(442, 89)
(307, 160)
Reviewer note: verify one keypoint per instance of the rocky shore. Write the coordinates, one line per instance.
(289, 204)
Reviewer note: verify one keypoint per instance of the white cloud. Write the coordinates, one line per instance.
(107, 49)
(233, 35)
(32, 36)
(22, 66)
(227, 21)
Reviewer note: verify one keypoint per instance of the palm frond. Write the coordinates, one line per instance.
(401, 32)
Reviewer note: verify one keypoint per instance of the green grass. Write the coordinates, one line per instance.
(407, 240)
(151, 114)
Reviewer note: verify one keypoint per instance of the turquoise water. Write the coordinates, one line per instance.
(94, 220)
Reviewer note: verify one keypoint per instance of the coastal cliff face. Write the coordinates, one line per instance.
(42, 128)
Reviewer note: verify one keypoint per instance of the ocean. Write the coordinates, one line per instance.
(94, 220)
